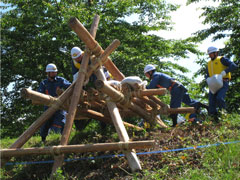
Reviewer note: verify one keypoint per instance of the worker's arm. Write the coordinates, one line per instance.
(231, 66)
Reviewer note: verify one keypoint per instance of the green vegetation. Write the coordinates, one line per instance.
(214, 162)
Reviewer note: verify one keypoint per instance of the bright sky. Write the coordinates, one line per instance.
(187, 21)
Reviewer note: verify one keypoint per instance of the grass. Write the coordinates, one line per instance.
(214, 162)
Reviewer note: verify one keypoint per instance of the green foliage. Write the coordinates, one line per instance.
(224, 22)
(35, 33)
(219, 163)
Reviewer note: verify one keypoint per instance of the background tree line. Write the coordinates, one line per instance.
(35, 33)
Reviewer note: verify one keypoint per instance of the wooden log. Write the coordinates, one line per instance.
(118, 97)
(133, 161)
(40, 98)
(102, 59)
(93, 45)
(158, 101)
(149, 102)
(48, 100)
(141, 104)
(55, 150)
(122, 133)
(75, 98)
(149, 92)
(181, 110)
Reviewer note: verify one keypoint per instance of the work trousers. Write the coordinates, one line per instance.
(55, 123)
(178, 95)
(217, 100)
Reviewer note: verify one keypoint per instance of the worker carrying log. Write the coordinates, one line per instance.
(49, 86)
(178, 92)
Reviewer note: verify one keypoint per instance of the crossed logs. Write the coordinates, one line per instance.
(106, 103)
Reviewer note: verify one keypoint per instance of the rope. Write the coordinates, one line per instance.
(83, 71)
(88, 51)
(95, 50)
(57, 104)
(122, 146)
(55, 150)
(121, 155)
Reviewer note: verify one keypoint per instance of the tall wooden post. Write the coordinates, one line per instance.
(75, 98)
(121, 130)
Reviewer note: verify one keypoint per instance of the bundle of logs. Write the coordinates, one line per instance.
(131, 101)
(104, 102)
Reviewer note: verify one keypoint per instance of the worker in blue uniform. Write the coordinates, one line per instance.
(49, 86)
(177, 90)
(223, 66)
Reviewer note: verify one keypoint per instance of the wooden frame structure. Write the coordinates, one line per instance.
(117, 102)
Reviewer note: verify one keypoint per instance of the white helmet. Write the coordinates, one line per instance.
(76, 52)
(148, 68)
(51, 68)
(212, 49)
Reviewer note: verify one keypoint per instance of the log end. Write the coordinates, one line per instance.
(72, 21)
(24, 93)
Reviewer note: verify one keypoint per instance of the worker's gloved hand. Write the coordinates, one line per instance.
(223, 73)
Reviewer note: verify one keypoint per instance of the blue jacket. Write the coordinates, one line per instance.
(160, 80)
(50, 87)
(226, 62)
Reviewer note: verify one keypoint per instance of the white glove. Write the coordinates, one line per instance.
(223, 73)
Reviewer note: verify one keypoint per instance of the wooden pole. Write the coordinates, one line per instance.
(93, 45)
(158, 101)
(181, 110)
(149, 92)
(99, 116)
(118, 97)
(40, 98)
(47, 100)
(75, 98)
(122, 133)
(55, 150)
(103, 57)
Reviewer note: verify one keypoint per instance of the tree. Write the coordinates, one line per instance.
(35, 33)
(225, 22)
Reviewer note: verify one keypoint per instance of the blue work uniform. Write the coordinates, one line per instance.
(218, 99)
(58, 119)
(177, 90)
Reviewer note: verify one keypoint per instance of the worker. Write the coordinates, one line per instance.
(77, 56)
(177, 90)
(49, 86)
(223, 66)
(107, 74)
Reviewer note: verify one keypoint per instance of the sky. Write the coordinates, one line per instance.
(187, 21)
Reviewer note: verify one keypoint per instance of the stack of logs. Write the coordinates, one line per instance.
(130, 100)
